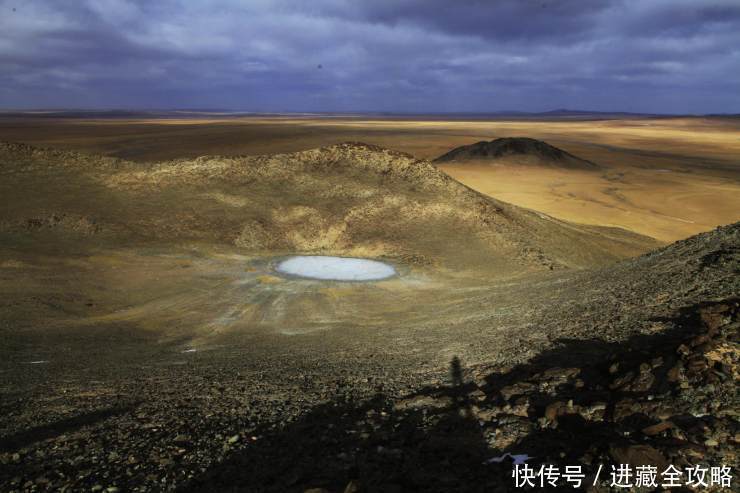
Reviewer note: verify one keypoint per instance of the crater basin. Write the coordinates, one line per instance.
(335, 268)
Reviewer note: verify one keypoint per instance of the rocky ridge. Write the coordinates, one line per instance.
(347, 199)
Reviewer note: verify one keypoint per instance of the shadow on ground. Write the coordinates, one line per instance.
(585, 402)
(60, 427)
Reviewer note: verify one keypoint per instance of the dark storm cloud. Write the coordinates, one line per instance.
(504, 20)
(384, 55)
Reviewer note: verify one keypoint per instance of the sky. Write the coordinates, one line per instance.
(403, 56)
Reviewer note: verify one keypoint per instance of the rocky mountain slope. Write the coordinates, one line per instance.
(347, 199)
(522, 150)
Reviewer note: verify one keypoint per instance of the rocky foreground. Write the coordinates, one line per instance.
(671, 399)
(666, 399)
(635, 374)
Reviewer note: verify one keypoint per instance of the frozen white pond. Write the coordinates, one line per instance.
(335, 268)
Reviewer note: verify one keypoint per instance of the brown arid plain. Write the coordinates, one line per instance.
(667, 178)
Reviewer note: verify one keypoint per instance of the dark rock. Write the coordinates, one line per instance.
(517, 389)
(676, 373)
(555, 409)
(352, 487)
(638, 455)
(644, 381)
(181, 439)
(594, 412)
(622, 380)
(657, 428)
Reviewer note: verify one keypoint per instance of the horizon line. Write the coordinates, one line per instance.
(224, 111)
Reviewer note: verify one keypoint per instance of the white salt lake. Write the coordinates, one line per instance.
(335, 268)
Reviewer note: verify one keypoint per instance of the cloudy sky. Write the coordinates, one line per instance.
(669, 56)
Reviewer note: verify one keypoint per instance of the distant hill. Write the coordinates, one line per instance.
(534, 152)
